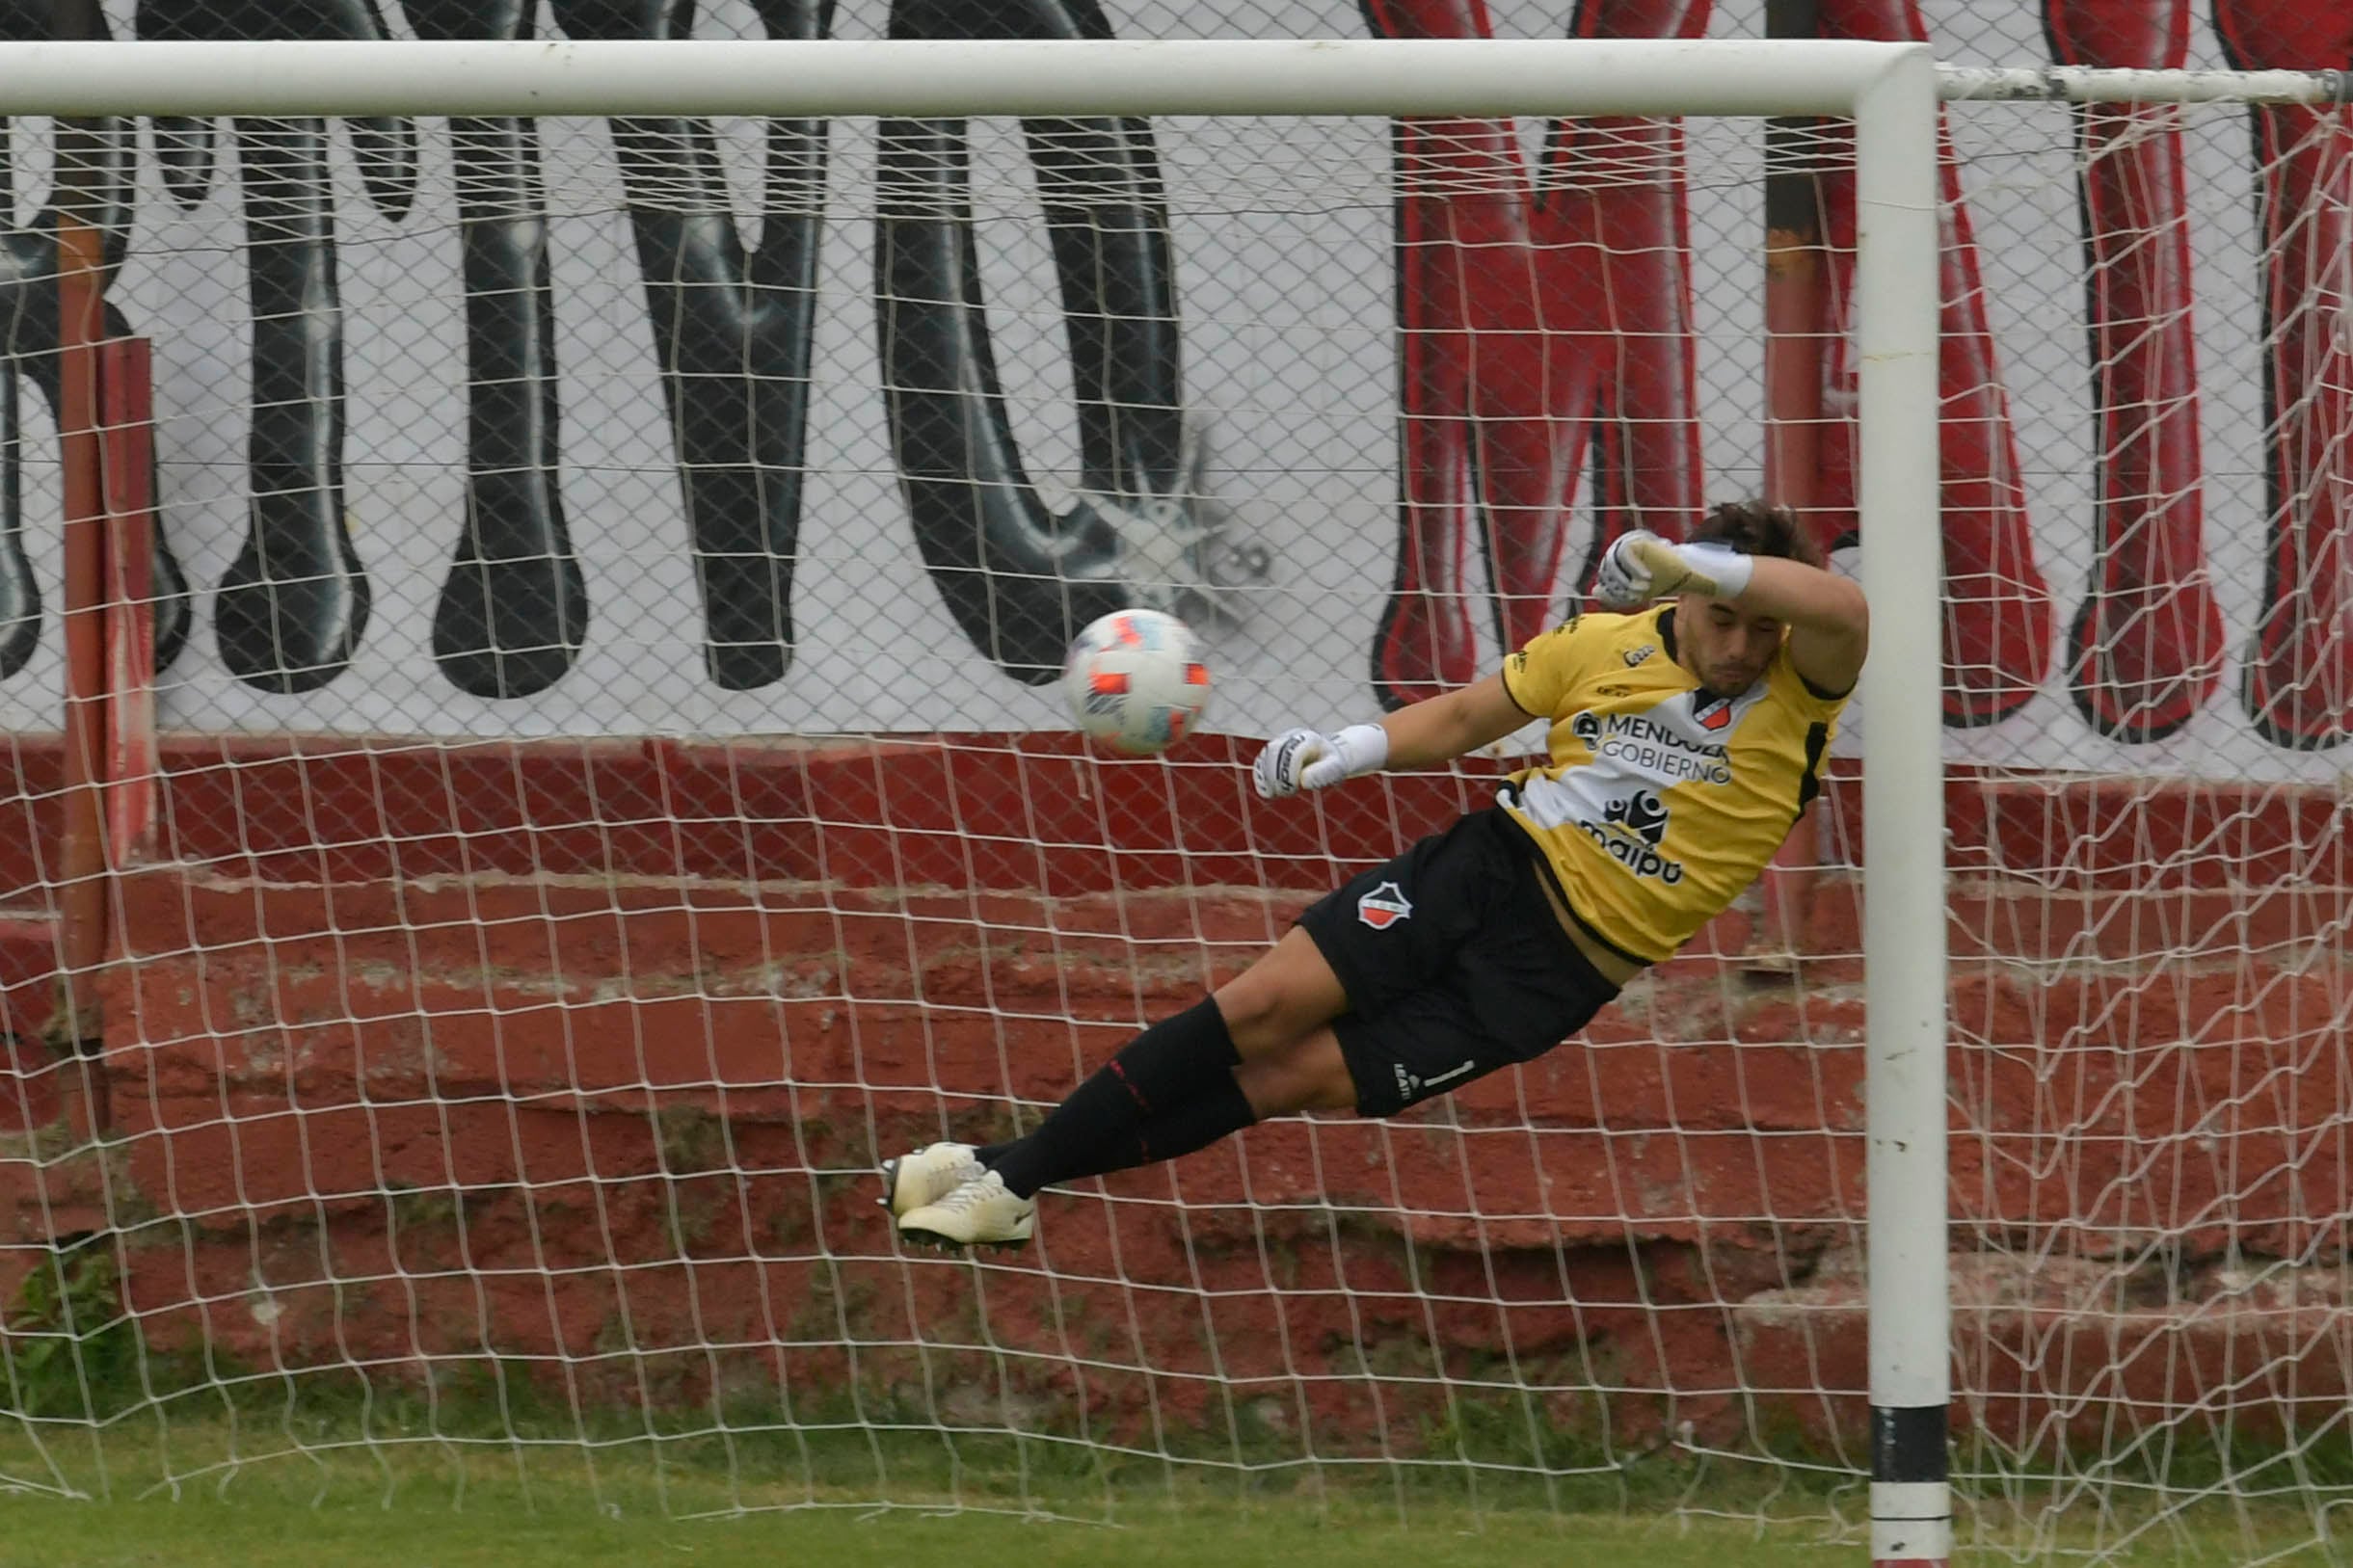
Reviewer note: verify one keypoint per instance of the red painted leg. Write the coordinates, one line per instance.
(1651, 441)
(1532, 388)
(1619, 186)
(2299, 684)
(2146, 649)
(1473, 340)
(1997, 634)
(1425, 643)
(2299, 687)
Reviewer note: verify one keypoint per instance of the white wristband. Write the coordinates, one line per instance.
(1363, 748)
(1725, 572)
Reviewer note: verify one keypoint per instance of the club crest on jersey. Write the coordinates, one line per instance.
(1635, 655)
(1383, 907)
(1715, 715)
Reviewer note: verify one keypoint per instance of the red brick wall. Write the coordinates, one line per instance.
(586, 1051)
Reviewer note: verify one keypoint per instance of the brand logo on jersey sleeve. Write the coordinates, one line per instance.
(1383, 907)
(1635, 655)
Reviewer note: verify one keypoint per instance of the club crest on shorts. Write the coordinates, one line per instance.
(1383, 907)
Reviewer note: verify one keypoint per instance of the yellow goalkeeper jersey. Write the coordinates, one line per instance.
(1663, 800)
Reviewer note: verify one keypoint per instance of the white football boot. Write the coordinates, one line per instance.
(982, 1213)
(927, 1175)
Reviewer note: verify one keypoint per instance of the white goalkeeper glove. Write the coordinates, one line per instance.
(1299, 759)
(1641, 566)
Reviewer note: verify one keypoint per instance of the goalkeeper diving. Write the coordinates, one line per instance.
(1686, 738)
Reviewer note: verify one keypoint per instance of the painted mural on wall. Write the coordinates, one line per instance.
(503, 461)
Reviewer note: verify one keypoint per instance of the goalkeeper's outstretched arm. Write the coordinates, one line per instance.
(1451, 724)
(1436, 729)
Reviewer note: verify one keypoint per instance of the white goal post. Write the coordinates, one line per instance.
(1891, 93)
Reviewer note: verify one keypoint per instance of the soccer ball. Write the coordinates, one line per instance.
(1136, 680)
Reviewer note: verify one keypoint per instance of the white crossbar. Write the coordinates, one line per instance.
(1304, 76)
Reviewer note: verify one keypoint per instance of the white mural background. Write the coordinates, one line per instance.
(1283, 238)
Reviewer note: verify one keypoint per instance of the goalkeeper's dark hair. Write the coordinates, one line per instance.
(1754, 528)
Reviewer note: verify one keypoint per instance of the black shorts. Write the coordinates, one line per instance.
(1454, 963)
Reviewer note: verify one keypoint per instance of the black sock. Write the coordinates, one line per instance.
(1217, 1110)
(1210, 1115)
(1103, 1125)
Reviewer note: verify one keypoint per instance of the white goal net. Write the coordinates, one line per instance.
(606, 793)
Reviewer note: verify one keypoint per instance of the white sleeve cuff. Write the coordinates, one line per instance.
(1363, 747)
